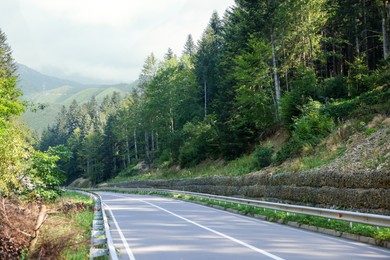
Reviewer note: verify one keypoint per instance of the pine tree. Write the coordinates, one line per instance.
(189, 46)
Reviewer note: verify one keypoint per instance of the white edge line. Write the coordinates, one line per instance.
(216, 232)
(307, 232)
(128, 250)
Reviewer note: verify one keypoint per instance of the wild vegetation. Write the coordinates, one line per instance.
(303, 66)
(29, 181)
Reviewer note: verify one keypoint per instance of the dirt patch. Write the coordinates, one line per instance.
(367, 150)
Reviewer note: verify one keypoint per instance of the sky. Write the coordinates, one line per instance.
(101, 41)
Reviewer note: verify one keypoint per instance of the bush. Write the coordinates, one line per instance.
(335, 88)
(189, 155)
(263, 156)
(312, 125)
(304, 88)
(288, 150)
(371, 102)
(358, 77)
(308, 130)
(201, 139)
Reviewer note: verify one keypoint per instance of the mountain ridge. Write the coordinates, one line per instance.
(55, 92)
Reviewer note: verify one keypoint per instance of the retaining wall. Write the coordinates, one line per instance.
(365, 191)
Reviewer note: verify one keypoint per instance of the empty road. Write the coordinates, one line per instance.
(155, 228)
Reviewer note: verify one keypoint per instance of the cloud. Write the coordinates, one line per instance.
(100, 40)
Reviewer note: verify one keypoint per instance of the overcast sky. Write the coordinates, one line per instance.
(101, 41)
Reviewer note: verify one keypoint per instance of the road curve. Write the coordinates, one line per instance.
(156, 228)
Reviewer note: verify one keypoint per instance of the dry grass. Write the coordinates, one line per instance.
(17, 221)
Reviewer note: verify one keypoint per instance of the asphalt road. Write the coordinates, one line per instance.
(146, 227)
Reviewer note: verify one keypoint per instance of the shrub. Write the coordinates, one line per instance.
(263, 156)
(358, 77)
(371, 102)
(201, 139)
(307, 131)
(304, 88)
(288, 150)
(312, 125)
(335, 88)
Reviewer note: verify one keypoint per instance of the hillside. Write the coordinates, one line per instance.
(55, 92)
(32, 81)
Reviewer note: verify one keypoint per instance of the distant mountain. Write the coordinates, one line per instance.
(56, 92)
(32, 81)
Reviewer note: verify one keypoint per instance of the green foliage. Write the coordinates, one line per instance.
(371, 102)
(201, 141)
(370, 131)
(263, 156)
(15, 152)
(304, 87)
(334, 88)
(307, 131)
(48, 175)
(288, 150)
(358, 77)
(312, 125)
(253, 104)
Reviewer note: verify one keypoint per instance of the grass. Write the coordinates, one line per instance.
(237, 167)
(379, 233)
(322, 156)
(66, 233)
(82, 221)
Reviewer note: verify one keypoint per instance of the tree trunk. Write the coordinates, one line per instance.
(127, 151)
(205, 97)
(88, 163)
(385, 20)
(357, 45)
(365, 34)
(147, 147)
(41, 219)
(153, 145)
(286, 70)
(276, 79)
(335, 71)
(113, 156)
(135, 143)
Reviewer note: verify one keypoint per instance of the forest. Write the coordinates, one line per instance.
(303, 65)
(300, 65)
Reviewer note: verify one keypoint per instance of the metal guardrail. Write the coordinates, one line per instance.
(355, 217)
(101, 240)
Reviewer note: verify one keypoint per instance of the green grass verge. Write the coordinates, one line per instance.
(69, 230)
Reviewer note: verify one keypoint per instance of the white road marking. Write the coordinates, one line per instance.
(211, 230)
(128, 250)
(307, 232)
